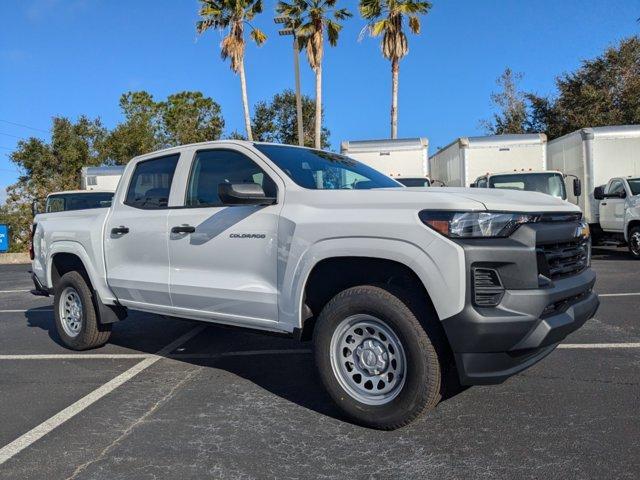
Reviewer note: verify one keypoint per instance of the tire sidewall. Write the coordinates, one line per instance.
(75, 280)
(419, 379)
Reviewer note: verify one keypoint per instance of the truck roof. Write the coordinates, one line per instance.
(377, 145)
(519, 172)
(208, 143)
(66, 192)
(499, 140)
(612, 131)
(103, 170)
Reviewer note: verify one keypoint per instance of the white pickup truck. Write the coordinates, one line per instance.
(397, 287)
(619, 212)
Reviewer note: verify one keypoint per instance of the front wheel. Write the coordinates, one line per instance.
(634, 242)
(75, 314)
(375, 358)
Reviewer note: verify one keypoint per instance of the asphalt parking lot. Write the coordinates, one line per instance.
(167, 398)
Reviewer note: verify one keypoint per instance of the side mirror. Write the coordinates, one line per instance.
(577, 187)
(598, 193)
(621, 194)
(473, 185)
(243, 194)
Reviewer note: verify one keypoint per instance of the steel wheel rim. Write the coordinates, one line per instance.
(635, 243)
(368, 359)
(71, 311)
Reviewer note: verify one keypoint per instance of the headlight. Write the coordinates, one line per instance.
(475, 224)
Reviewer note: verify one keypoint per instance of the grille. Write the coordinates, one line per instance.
(560, 260)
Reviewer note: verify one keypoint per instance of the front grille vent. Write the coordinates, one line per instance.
(487, 287)
(559, 260)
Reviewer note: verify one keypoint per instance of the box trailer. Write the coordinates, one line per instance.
(461, 162)
(595, 155)
(101, 178)
(400, 158)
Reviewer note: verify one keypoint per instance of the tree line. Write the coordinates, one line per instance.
(602, 91)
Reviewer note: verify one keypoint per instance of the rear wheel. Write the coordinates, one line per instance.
(634, 242)
(375, 358)
(75, 315)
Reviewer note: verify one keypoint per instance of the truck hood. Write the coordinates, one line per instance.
(444, 198)
(512, 200)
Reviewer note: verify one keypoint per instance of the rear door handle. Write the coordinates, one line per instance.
(183, 229)
(121, 230)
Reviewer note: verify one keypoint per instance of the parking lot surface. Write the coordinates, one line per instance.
(169, 398)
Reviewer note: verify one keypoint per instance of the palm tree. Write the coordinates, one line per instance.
(316, 17)
(386, 18)
(233, 15)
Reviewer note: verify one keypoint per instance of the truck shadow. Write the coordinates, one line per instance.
(281, 366)
(610, 253)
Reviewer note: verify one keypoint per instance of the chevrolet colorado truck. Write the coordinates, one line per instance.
(397, 287)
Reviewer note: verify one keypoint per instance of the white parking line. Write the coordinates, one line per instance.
(14, 291)
(71, 411)
(77, 356)
(599, 345)
(634, 294)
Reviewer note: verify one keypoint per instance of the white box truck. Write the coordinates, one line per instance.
(596, 155)
(461, 162)
(101, 178)
(405, 159)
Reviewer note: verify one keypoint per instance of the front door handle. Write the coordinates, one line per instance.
(603, 203)
(121, 230)
(183, 229)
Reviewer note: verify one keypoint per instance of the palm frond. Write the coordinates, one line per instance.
(258, 36)
(414, 24)
(333, 32)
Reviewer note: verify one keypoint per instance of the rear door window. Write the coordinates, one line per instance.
(151, 183)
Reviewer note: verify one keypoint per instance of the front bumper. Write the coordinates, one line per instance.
(533, 316)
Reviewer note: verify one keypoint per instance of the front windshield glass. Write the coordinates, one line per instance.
(549, 183)
(634, 185)
(320, 170)
(415, 182)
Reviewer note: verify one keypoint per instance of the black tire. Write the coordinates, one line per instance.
(421, 390)
(634, 243)
(91, 333)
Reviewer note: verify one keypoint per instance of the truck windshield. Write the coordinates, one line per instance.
(320, 170)
(549, 183)
(415, 182)
(634, 185)
(78, 201)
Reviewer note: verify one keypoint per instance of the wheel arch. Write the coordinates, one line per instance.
(66, 255)
(632, 223)
(440, 270)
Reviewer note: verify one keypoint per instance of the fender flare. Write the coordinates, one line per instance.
(75, 248)
(441, 283)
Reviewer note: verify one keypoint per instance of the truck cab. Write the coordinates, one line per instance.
(550, 182)
(619, 212)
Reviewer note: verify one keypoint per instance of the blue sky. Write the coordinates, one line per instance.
(69, 57)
